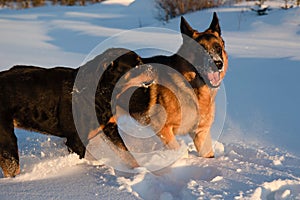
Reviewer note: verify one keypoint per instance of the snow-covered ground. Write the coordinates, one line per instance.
(258, 150)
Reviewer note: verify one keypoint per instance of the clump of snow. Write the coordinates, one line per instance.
(57, 167)
(277, 160)
(120, 2)
(218, 148)
(217, 178)
(278, 189)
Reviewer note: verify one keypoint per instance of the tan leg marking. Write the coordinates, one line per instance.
(168, 138)
(95, 132)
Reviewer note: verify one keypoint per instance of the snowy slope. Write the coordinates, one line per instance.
(258, 151)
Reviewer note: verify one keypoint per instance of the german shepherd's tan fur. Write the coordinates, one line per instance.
(196, 122)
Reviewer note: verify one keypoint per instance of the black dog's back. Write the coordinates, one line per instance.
(37, 97)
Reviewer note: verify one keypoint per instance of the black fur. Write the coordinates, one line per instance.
(39, 99)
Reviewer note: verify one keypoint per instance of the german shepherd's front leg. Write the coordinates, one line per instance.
(202, 141)
(167, 136)
(201, 136)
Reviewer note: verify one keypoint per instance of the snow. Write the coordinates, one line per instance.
(124, 2)
(257, 150)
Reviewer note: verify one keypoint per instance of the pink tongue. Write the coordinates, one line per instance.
(214, 78)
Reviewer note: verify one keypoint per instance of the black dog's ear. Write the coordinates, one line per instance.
(185, 28)
(215, 26)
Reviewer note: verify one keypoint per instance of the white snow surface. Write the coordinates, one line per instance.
(257, 154)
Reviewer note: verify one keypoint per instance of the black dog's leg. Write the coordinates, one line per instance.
(9, 157)
(75, 144)
(111, 131)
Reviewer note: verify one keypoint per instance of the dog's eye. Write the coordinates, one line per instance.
(218, 48)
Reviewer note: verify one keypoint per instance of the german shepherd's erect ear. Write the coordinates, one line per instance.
(215, 26)
(185, 28)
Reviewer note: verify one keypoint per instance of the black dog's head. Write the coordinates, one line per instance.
(213, 55)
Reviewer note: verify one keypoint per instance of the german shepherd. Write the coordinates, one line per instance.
(187, 93)
(40, 100)
(197, 113)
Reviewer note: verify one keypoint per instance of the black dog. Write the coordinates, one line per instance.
(40, 100)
